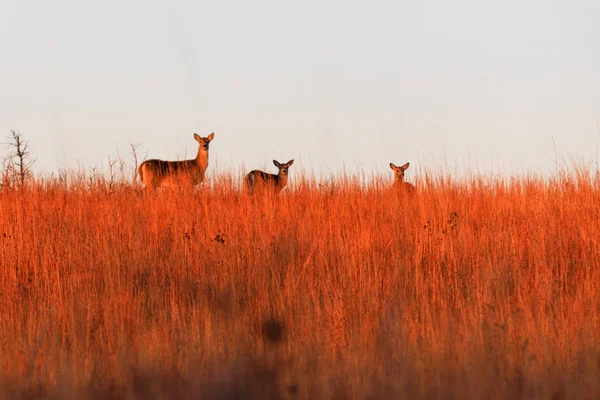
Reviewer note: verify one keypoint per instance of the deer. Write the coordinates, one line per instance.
(276, 182)
(399, 184)
(157, 173)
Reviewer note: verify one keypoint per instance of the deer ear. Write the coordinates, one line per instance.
(289, 163)
(392, 166)
(197, 137)
(276, 163)
(405, 166)
(211, 136)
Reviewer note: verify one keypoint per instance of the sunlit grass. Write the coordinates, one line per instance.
(479, 288)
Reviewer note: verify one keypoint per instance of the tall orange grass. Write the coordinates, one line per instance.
(485, 288)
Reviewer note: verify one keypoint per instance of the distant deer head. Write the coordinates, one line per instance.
(399, 172)
(283, 168)
(204, 141)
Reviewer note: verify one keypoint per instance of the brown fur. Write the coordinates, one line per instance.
(259, 179)
(155, 173)
(399, 185)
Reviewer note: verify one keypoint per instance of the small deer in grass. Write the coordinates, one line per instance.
(155, 173)
(259, 179)
(399, 184)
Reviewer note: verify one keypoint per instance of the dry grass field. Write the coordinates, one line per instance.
(482, 288)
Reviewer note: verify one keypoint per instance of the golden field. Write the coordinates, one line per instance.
(473, 288)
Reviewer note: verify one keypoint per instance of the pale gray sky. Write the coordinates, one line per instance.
(479, 83)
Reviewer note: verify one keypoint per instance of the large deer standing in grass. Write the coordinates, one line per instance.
(399, 184)
(258, 179)
(157, 173)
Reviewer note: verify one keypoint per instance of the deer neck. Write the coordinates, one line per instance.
(202, 159)
(281, 180)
